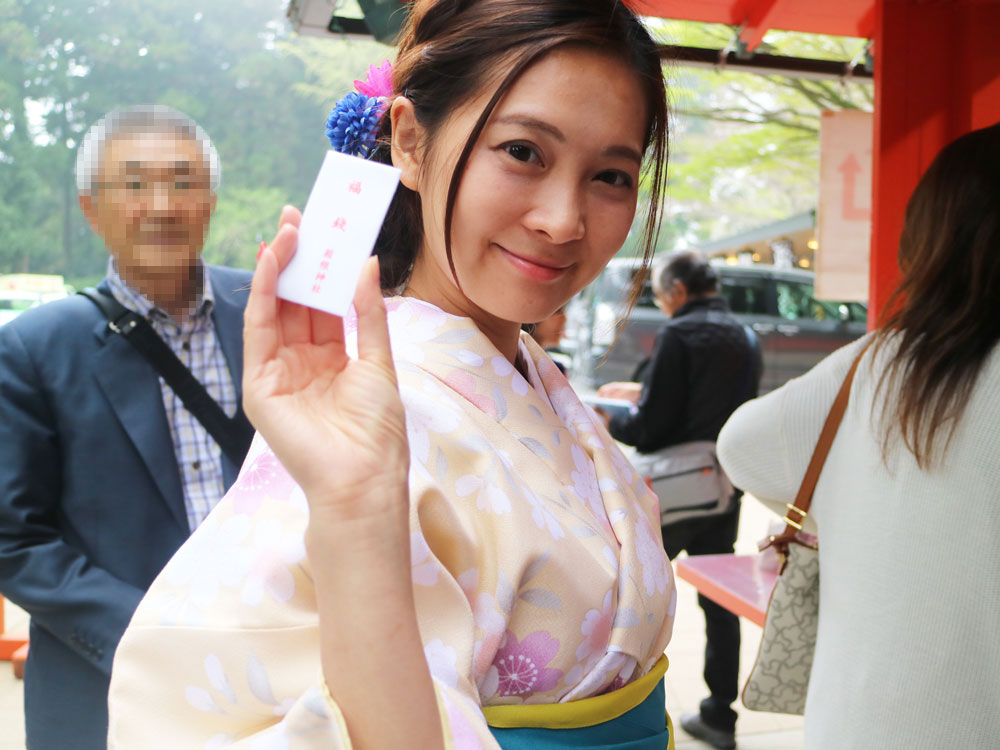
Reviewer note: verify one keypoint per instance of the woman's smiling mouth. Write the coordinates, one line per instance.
(533, 268)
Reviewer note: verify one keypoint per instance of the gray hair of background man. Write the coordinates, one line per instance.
(689, 267)
(142, 118)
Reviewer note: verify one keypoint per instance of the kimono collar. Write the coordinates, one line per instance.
(454, 350)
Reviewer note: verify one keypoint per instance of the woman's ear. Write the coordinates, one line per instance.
(407, 137)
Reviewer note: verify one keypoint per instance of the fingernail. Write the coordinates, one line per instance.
(261, 249)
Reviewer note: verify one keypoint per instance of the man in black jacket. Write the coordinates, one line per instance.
(705, 363)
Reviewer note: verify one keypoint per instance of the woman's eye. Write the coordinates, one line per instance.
(521, 152)
(615, 178)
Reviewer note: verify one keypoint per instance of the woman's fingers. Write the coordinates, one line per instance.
(284, 243)
(260, 329)
(290, 215)
(373, 328)
(292, 319)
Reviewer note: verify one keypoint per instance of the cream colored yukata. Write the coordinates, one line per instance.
(537, 567)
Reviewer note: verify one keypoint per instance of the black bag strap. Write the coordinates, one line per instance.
(232, 435)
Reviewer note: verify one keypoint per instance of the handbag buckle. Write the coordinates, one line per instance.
(801, 513)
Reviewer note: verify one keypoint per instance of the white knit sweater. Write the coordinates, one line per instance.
(908, 650)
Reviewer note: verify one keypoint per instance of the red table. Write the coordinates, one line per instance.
(736, 582)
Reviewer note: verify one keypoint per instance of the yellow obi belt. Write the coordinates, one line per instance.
(631, 718)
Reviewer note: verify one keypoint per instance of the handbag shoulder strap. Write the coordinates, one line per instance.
(233, 435)
(803, 499)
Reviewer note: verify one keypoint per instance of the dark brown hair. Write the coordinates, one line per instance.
(945, 313)
(450, 50)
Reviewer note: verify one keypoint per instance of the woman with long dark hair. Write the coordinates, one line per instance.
(907, 508)
(437, 546)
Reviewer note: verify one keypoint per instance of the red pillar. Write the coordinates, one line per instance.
(937, 76)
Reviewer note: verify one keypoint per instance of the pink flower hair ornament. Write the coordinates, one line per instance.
(378, 82)
(352, 124)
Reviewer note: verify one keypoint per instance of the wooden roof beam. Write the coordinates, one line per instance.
(757, 17)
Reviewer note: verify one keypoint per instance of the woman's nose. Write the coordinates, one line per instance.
(558, 212)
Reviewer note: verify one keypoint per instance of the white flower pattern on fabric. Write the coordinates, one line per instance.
(423, 567)
(503, 368)
(410, 327)
(442, 660)
(657, 575)
(275, 550)
(424, 417)
(489, 497)
(216, 555)
(463, 733)
(586, 487)
(623, 469)
(492, 625)
(541, 514)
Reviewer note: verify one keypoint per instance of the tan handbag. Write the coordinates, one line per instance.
(780, 676)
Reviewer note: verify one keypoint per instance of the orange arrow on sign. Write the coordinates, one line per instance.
(849, 211)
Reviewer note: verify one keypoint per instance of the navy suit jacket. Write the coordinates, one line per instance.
(91, 502)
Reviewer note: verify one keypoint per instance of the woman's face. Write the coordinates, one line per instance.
(548, 194)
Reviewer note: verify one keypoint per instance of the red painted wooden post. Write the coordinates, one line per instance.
(937, 76)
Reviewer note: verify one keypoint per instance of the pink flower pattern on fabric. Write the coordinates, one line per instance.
(465, 385)
(265, 477)
(521, 665)
(596, 629)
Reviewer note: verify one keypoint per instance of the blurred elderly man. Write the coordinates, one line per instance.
(104, 471)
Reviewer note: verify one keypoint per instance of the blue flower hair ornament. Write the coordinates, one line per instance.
(353, 122)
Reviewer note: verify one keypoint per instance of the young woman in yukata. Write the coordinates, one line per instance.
(437, 546)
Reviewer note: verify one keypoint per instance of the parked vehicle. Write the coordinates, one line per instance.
(13, 304)
(22, 291)
(795, 329)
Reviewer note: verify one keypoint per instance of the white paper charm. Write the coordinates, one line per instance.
(339, 227)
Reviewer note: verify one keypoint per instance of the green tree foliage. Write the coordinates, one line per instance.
(241, 221)
(230, 64)
(331, 66)
(745, 146)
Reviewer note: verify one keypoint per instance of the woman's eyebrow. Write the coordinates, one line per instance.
(625, 152)
(527, 121)
(534, 123)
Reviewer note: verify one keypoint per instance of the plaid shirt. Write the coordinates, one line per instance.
(194, 342)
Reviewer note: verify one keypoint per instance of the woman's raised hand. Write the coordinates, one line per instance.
(625, 391)
(335, 423)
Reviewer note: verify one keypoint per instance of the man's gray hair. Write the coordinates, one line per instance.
(143, 118)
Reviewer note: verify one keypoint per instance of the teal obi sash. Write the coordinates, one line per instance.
(632, 718)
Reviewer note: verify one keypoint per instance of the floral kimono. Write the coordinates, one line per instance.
(537, 567)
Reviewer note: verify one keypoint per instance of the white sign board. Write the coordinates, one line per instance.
(845, 205)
